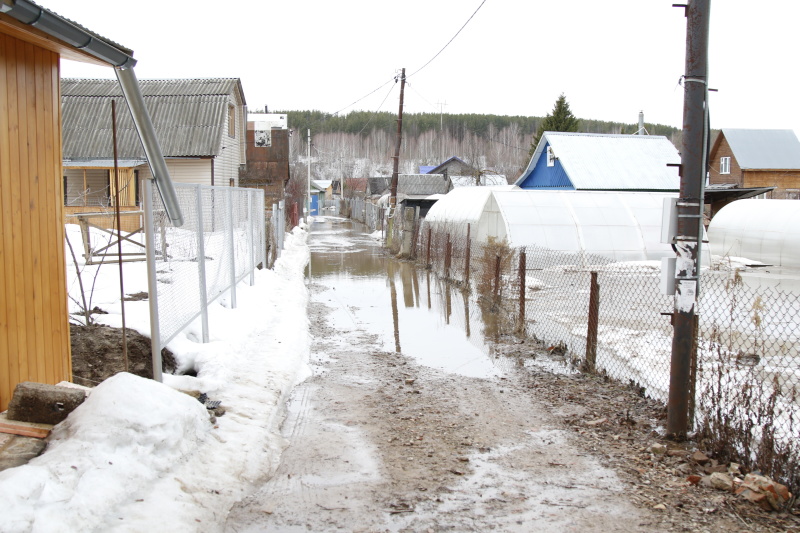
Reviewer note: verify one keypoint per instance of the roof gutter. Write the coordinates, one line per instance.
(62, 29)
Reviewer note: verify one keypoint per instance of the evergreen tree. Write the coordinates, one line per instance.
(560, 119)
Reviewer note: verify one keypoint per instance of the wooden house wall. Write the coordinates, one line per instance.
(34, 322)
(782, 180)
(723, 149)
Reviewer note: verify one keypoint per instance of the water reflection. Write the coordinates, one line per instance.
(382, 296)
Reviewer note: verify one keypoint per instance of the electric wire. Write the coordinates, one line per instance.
(448, 42)
(366, 95)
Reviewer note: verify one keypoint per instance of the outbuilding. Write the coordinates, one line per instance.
(622, 226)
(764, 231)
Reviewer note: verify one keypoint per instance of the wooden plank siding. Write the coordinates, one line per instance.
(34, 323)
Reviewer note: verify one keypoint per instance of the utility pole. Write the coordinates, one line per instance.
(395, 168)
(308, 196)
(690, 215)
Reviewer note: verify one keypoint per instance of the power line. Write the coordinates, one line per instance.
(366, 95)
(448, 42)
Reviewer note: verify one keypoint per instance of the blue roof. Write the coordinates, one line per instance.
(594, 161)
(424, 169)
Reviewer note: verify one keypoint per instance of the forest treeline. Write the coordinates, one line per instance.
(361, 143)
(457, 125)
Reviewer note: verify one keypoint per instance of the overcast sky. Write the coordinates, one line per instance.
(611, 59)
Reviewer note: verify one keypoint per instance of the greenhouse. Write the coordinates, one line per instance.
(764, 231)
(623, 226)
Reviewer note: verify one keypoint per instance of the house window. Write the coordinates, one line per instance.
(724, 165)
(793, 194)
(231, 121)
(551, 158)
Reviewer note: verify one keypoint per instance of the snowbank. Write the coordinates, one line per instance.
(139, 455)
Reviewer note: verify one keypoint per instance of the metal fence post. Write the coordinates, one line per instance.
(522, 269)
(201, 263)
(591, 330)
(152, 280)
(231, 251)
(251, 244)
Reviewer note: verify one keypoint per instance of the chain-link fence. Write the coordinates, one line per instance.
(221, 242)
(611, 317)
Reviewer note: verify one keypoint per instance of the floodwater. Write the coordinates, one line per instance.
(409, 310)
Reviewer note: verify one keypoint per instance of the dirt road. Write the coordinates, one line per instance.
(379, 443)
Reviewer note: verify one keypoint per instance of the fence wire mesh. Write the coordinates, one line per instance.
(746, 369)
(222, 240)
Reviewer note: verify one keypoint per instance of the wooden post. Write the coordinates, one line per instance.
(447, 251)
(591, 333)
(466, 260)
(87, 246)
(428, 256)
(522, 268)
(496, 277)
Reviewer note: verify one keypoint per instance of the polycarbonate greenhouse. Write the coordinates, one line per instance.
(767, 231)
(623, 226)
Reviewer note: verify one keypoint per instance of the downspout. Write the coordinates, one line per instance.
(147, 135)
(123, 63)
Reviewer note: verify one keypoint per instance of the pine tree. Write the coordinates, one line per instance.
(560, 119)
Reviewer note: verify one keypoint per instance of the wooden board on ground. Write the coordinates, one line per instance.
(26, 429)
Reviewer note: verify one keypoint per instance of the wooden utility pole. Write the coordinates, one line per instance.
(690, 215)
(396, 165)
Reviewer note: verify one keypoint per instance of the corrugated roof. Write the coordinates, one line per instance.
(422, 184)
(764, 149)
(172, 87)
(189, 117)
(596, 161)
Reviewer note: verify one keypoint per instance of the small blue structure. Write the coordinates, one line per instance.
(602, 162)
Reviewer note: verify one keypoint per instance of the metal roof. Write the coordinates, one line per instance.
(763, 149)
(435, 170)
(486, 180)
(595, 161)
(187, 123)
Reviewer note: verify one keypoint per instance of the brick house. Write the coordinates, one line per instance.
(266, 154)
(746, 158)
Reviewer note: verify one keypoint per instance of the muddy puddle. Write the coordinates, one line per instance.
(410, 310)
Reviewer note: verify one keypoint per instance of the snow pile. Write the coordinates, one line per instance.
(140, 455)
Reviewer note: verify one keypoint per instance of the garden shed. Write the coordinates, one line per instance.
(767, 231)
(623, 226)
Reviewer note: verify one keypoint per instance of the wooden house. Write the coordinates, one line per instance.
(34, 321)
(752, 158)
(200, 124)
(602, 162)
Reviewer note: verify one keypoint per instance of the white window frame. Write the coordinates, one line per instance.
(551, 157)
(725, 165)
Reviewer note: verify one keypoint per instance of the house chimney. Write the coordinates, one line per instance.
(641, 123)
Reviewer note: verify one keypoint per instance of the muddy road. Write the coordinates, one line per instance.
(378, 441)
(405, 427)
